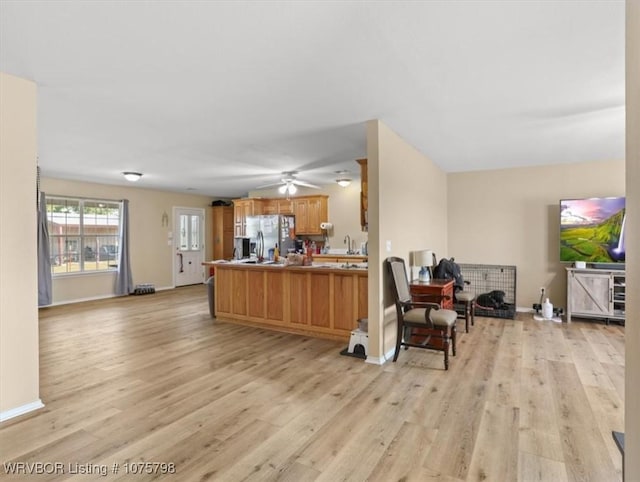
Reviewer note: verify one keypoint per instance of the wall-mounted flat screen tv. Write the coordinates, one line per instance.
(592, 230)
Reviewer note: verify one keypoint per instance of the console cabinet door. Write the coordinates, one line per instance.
(590, 294)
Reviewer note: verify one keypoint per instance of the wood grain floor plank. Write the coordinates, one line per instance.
(602, 347)
(156, 379)
(589, 368)
(495, 454)
(585, 451)
(404, 457)
(539, 432)
(533, 468)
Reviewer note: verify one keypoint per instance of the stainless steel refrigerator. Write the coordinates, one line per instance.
(268, 230)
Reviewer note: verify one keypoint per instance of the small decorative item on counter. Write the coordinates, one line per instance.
(294, 259)
(276, 253)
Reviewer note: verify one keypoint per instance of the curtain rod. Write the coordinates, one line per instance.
(83, 198)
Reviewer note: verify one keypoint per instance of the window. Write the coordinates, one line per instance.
(189, 232)
(84, 235)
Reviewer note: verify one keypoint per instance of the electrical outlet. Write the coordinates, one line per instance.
(542, 289)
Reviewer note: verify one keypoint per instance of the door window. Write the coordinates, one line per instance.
(190, 232)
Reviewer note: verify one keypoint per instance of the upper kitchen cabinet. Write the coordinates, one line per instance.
(364, 201)
(277, 206)
(242, 208)
(285, 206)
(310, 211)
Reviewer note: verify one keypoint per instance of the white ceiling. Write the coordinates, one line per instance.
(220, 97)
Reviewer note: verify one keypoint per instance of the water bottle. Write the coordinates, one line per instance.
(547, 309)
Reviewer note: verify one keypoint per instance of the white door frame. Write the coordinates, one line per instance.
(176, 240)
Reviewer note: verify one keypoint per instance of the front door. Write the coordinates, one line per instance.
(188, 246)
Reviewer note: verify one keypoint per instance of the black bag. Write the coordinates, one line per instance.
(449, 269)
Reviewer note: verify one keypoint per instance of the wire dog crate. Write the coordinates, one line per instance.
(485, 278)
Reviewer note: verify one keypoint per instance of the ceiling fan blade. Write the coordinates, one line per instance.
(269, 185)
(304, 183)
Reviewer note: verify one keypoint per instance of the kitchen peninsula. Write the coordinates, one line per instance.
(322, 300)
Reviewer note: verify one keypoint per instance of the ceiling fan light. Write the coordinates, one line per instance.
(282, 189)
(292, 189)
(132, 176)
(343, 182)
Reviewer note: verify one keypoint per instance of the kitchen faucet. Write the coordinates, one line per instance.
(347, 240)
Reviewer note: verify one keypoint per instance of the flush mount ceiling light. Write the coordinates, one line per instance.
(343, 180)
(132, 176)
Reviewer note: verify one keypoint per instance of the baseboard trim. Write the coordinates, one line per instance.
(381, 360)
(522, 309)
(99, 297)
(21, 410)
(375, 360)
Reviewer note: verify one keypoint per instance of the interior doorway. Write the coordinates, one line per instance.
(188, 244)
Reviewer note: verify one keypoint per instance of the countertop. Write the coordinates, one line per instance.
(317, 265)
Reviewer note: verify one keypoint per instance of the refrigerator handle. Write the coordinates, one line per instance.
(260, 247)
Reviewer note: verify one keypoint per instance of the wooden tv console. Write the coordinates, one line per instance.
(596, 293)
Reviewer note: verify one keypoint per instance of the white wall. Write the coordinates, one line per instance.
(512, 217)
(407, 212)
(19, 377)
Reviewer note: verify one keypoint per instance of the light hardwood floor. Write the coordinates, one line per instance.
(154, 379)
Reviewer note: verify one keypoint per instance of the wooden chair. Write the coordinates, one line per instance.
(418, 320)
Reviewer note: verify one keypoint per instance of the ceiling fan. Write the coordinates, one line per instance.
(288, 183)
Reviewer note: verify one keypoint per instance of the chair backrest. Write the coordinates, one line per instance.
(397, 272)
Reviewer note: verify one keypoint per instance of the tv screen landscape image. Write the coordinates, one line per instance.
(592, 230)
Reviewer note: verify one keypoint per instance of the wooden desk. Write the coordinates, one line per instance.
(438, 287)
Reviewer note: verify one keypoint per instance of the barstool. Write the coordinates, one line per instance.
(466, 298)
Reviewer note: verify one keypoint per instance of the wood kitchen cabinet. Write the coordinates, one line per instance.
(242, 208)
(321, 302)
(285, 206)
(596, 293)
(364, 195)
(223, 231)
(277, 206)
(310, 211)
